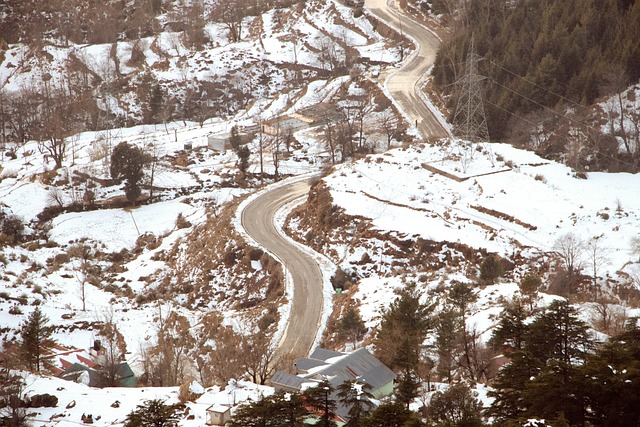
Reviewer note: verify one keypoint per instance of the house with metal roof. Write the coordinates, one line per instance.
(337, 367)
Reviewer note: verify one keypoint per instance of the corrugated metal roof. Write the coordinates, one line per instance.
(285, 379)
(361, 365)
(304, 363)
(324, 354)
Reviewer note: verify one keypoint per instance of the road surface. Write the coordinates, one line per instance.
(258, 216)
(306, 309)
(404, 83)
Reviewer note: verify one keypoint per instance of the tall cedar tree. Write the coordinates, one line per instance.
(398, 342)
(447, 332)
(321, 400)
(611, 380)
(509, 335)
(154, 413)
(35, 334)
(358, 398)
(392, 414)
(352, 326)
(490, 269)
(408, 318)
(543, 378)
(456, 406)
(280, 409)
(127, 163)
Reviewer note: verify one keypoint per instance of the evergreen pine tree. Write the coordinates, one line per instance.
(511, 329)
(352, 326)
(35, 334)
(490, 269)
(154, 413)
(447, 330)
(407, 317)
(611, 381)
(529, 286)
(558, 333)
(127, 162)
(392, 414)
(320, 399)
(358, 398)
(455, 406)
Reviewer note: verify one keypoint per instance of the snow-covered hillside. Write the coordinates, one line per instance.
(509, 202)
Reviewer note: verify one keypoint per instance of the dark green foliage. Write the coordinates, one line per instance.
(154, 413)
(407, 388)
(529, 286)
(455, 407)
(611, 381)
(537, 53)
(447, 331)
(558, 333)
(461, 296)
(510, 386)
(340, 279)
(404, 324)
(319, 398)
(392, 415)
(35, 335)
(358, 398)
(243, 158)
(156, 104)
(234, 138)
(511, 329)
(279, 409)
(491, 269)
(127, 163)
(351, 325)
(543, 378)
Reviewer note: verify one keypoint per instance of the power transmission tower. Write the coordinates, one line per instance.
(470, 121)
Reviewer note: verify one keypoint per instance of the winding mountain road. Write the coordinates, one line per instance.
(306, 308)
(258, 216)
(403, 84)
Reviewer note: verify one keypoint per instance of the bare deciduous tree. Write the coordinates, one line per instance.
(111, 351)
(635, 246)
(609, 317)
(259, 358)
(569, 249)
(166, 363)
(597, 255)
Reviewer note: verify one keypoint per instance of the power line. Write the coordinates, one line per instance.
(537, 85)
(573, 120)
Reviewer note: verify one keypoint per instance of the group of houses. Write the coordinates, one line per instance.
(83, 366)
(333, 366)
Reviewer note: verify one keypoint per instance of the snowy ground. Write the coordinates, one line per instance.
(399, 191)
(110, 406)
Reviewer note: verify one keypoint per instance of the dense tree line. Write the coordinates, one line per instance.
(542, 54)
(556, 371)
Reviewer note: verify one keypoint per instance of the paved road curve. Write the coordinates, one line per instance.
(258, 216)
(403, 84)
(306, 308)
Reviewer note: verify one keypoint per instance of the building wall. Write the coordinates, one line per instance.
(383, 391)
(218, 418)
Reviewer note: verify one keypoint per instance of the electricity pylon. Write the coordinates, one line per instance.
(470, 121)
